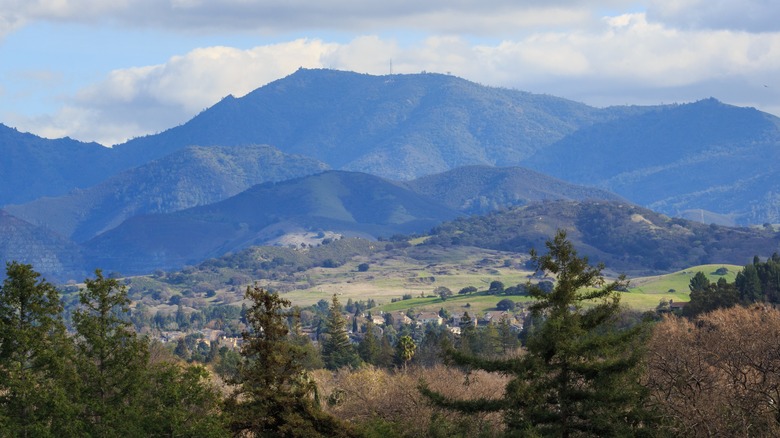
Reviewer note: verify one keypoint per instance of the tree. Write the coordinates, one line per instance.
(337, 349)
(363, 267)
(443, 292)
(580, 375)
(274, 395)
(404, 349)
(111, 359)
(707, 296)
(34, 352)
(509, 339)
(496, 288)
(505, 304)
(368, 349)
(467, 290)
(749, 285)
(717, 375)
(181, 401)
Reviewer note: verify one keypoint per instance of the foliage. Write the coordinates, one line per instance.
(505, 304)
(707, 296)
(717, 375)
(385, 402)
(111, 360)
(274, 395)
(99, 382)
(443, 292)
(580, 373)
(337, 349)
(405, 349)
(34, 372)
(760, 281)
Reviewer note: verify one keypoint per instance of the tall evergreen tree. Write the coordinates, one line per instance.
(274, 395)
(368, 349)
(111, 360)
(580, 374)
(337, 349)
(707, 296)
(34, 352)
(749, 285)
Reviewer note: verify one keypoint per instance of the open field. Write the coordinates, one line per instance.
(397, 276)
(414, 273)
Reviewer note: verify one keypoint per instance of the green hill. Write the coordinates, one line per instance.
(343, 202)
(701, 156)
(482, 189)
(396, 126)
(190, 177)
(625, 237)
(57, 258)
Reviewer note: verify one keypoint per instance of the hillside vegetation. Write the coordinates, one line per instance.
(625, 237)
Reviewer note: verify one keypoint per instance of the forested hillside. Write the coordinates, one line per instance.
(187, 178)
(705, 155)
(625, 237)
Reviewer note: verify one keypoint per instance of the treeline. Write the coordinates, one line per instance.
(583, 369)
(757, 282)
(100, 380)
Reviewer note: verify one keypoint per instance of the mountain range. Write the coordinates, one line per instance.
(411, 150)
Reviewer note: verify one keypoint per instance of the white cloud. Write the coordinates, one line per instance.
(622, 59)
(740, 15)
(363, 16)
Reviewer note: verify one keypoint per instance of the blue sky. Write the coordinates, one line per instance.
(108, 71)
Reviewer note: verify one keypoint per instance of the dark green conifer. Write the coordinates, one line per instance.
(274, 395)
(112, 360)
(580, 374)
(337, 349)
(34, 358)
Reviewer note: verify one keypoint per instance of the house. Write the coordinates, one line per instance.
(378, 319)
(425, 318)
(677, 307)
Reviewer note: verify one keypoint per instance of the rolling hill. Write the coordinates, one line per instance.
(32, 166)
(701, 156)
(187, 178)
(482, 189)
(396, 126)
(57, 258)
(344, 202)
(625, 237)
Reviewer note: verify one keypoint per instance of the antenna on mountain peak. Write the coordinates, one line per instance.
(391, 66)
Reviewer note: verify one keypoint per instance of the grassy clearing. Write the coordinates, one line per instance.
(392, 279)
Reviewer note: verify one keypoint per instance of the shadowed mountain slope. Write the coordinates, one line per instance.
(190, 177)
(57, 258)
(32, 166)
(396, 126)
(625, 237)
(344, 202)
(481, 189)
(705, 155)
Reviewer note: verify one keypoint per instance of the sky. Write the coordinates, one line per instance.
(107, 71)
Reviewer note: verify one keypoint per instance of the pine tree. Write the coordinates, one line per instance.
(34, 353)
(368, 349)
(509, 340)
(749, 285)
(337, 349)
(580, 374)
(274, 395)
(111, 360)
